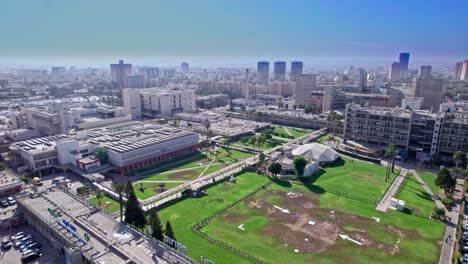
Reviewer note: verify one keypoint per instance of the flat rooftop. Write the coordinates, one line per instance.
(121, 138)
(7, 179)
(110, 240)
(387, 111)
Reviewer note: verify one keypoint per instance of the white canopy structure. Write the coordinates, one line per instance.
(316, 151)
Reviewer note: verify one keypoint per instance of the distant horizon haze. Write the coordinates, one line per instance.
(212, 33)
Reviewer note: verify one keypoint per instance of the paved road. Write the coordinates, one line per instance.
(384, 203)
(450, 237)
(434, 197)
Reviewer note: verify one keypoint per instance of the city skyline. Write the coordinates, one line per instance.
(236, 33)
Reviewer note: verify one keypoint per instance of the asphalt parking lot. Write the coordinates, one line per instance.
(49, 254)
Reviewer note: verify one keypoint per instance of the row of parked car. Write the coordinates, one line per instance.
(23, 241)
(7, 202)
(464, 239)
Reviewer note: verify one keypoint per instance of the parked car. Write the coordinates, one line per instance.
(465, 249)
(30, 257)
(25, 245)
(35, 245)
(11, 200)
(6, 244)
(22, 241)
(4, 203)
(18, 236)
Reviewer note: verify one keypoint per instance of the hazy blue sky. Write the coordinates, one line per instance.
(237, 31)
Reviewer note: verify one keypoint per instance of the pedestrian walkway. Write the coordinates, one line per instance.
(287, 131)
(384, 203)
(434, 197)
(450, 237)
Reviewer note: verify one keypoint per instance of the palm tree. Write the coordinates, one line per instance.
(119, 188)
(207, 126)
(99, 196)
(390, 153)
(253, 141)
(458, 156)
(227, 143)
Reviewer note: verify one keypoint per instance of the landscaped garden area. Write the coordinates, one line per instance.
(282, 131)
(169, 175)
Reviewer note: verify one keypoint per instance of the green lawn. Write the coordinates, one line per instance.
(267, 145)
(429, 180)
(322, 139)
(417, 200)
(347, 176)
(108, 204)
(186, 213)
(296, 132)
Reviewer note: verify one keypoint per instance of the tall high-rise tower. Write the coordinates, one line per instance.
(458, 70)
(394, 74)
(361, 79)
(296, 70)
(404, 62)
(184, 67)
(263, 71)
(425, 71)
(305, 85)
(279, 71)
(464, 71)
(246, 89)
(120, 72)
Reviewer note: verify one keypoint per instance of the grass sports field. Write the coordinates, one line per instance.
(337, 201)
(183, 170)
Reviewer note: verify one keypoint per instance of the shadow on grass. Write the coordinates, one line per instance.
(407, 211)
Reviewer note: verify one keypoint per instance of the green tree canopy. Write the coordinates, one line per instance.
(101, 155)
(299, 165)
(134, 215)
(156, 226)
(169, 232)
(445, 180)
(275, 168)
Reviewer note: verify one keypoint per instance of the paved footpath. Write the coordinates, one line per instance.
(450, 237)
(385, 202)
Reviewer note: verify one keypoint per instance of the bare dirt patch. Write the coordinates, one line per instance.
(311, 229)
(233, 218)
(183, 175)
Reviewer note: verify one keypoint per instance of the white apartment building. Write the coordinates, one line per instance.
(55, 119)
(157, 102)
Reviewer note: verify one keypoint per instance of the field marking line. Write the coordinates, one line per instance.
(346, 237)
(241, 227)
(286, 211)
